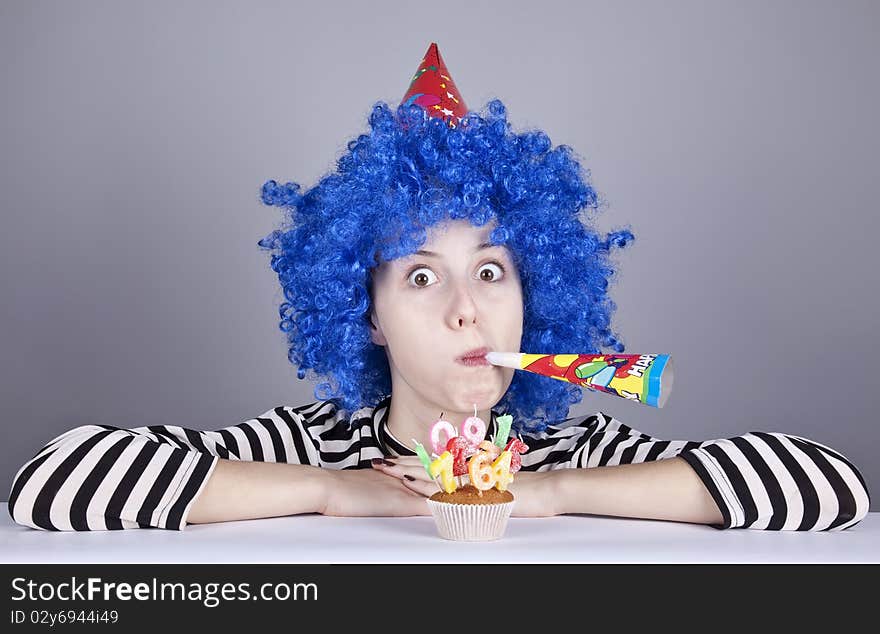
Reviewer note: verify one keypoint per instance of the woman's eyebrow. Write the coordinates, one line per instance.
(484, 245)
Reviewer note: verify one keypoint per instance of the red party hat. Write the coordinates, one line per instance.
(432, 88)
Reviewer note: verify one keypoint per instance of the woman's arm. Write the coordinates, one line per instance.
(759, 480)
(663, 490)
(100, 477)
(239, 490)
(251, 490)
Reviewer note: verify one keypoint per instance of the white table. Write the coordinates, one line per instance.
(319, 539)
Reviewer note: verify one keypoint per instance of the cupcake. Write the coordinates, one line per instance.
(469, 514)
(474, 502)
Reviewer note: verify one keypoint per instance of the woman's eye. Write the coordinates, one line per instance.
(421, 276)
(488, 274)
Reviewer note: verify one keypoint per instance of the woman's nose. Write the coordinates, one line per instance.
(463, 309)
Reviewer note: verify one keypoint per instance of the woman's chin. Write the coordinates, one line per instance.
(483, 397)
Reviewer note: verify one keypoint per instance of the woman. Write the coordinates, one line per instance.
(436, 236)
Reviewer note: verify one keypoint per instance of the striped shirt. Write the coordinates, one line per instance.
(100, 477)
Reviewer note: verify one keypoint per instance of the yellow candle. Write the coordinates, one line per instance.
(501, 470)
(442, 466)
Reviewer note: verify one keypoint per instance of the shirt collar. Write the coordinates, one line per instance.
(391, 445)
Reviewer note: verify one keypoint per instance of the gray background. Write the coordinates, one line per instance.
(739, 139)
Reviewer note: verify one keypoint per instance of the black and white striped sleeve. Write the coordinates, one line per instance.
(777, 481)
(100, 477)
(759, 480)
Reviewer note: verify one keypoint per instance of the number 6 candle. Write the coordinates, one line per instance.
(480, 471)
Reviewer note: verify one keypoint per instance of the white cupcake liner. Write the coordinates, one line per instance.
(470, 522)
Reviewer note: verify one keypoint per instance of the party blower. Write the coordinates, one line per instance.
(645, 378)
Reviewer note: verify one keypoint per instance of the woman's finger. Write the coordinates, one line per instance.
(413, 484)
(409, 491)
(398, 470)
(409, 461)
(420, 486)
(405, 461)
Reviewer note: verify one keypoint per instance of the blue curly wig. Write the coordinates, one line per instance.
(408, 173)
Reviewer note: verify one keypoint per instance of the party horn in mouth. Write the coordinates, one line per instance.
(645, 378)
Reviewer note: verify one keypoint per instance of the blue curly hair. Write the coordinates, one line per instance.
(408, 173)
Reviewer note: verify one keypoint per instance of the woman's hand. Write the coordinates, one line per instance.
(409, 471)
(534, 491)
(363, 492)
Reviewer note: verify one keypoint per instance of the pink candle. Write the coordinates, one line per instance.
(441, 432)
(474, 430)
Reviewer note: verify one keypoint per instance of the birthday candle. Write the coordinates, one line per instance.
(480, 471)
(441, 432)
(643, 378)
(458, 447)
(504, 423)
(516, 447)
(442, 466)
(474, 430)
(501, 469)
(423, 456)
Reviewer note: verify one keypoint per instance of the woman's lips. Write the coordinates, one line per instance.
(474, 357)
(474, 361)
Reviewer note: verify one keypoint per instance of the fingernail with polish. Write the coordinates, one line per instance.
(376, 461)
(409, 477)
(388, 462)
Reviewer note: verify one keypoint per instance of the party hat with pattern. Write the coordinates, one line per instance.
(432, 88)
